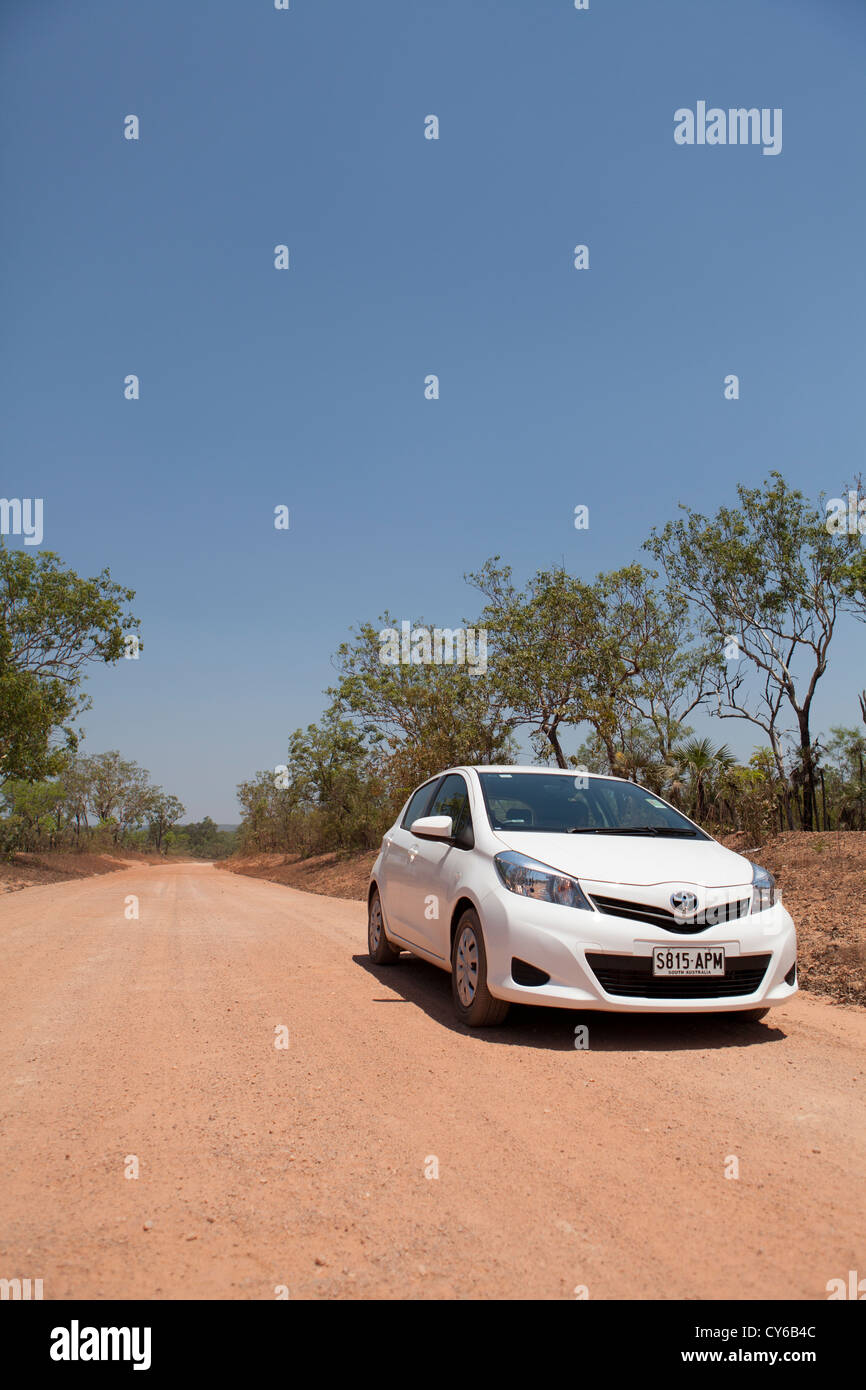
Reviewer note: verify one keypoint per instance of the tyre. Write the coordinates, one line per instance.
(473, 1003)
(751, 1015)
(380, 948)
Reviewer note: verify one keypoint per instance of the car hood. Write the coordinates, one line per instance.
(639, 860)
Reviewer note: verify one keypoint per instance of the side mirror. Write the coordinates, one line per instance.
(432, 828)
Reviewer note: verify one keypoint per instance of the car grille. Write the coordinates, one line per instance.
(660, 917)
(632, 977)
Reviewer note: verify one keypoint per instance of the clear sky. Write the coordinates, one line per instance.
(408, 257)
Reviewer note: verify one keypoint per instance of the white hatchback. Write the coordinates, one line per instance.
(576, 891)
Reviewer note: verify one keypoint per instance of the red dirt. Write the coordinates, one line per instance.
(388, 1152)
(56, 866)
(335, 875)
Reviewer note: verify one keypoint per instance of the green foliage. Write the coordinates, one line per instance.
(618, 655)
(418, 718)
(100, 802)
(162, 813)
(702, 763)
(549, 655)
(31, 818)
(623, 662)
(771, 575)
(332, 795)
(53, 625)
(201, 840)
(844, 765)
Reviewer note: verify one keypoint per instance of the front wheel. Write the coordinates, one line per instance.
(380, 948)
(474, 1004)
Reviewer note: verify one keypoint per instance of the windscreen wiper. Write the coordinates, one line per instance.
(664, 830)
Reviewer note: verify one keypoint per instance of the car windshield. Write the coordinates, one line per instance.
(560, 803)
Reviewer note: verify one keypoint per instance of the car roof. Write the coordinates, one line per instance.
(525, 767)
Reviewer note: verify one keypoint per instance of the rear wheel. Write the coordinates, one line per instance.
(474, 1004)
(380, 948)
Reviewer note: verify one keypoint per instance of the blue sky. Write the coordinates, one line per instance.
(408, 257)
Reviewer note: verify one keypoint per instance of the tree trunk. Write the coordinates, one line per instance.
(610, 752)
(783, 778)
(553, 739)
(809, 798)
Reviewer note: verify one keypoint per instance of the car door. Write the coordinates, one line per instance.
(397, 884)
(437, 868)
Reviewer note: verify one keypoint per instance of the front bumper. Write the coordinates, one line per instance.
(566, 944)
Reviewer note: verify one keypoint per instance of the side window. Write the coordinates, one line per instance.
(417, 803)
(452, 799)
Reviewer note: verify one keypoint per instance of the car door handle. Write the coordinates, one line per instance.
(413, 850)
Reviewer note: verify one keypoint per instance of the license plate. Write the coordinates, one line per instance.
(689, 960)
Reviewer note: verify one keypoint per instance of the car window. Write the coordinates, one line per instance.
(559, 803)
(418, 801)
(452, 799)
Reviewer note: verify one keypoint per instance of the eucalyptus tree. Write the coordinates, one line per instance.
(162, 812)
(769, 582)
(420, 713)
(549, 654)
(53, 626)
(655, 674)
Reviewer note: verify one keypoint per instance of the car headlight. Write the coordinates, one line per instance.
(533, 880)
(763, 888)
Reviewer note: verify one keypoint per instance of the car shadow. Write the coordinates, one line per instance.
(417, 982)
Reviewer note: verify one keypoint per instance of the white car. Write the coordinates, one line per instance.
(578, 891)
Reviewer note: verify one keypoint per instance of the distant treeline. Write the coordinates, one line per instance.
(53, 626)
(102, 802)
(736, 621)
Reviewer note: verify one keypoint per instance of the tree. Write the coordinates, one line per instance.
(112, 779)
(53, 625)
(653, 675)
(32, 711)
(846, 764)
(547, 651)
(771, 575)
(135, 806)
(419, 716)
(330, 796)
(32, 808)
(337, 785)
(751, 795)
(162, 813)
(267, 813)
(75, 780)
(204, 840)
(701, 761)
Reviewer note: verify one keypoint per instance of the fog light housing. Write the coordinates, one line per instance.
(522, 973)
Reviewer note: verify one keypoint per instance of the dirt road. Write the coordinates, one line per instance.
(304, 1166)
